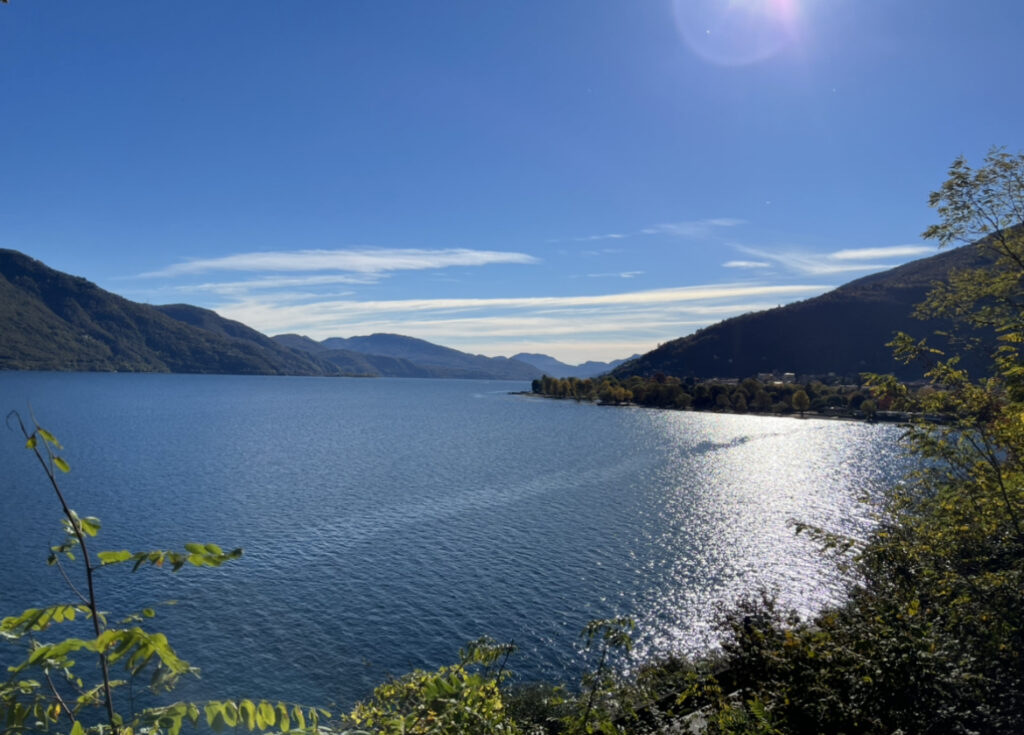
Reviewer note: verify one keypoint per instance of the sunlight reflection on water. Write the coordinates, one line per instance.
(388, 522)
(731, 493)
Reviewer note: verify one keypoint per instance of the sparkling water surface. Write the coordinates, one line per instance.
(387, 522)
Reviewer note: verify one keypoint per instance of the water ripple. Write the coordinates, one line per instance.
(387, 522)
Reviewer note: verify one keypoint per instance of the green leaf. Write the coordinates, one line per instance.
(47, 436)
(31, 443)
(114, 557)
(90, 525)
(76, 729)
(229, 713)
(247, 710)
(61, 464)
(212, 709)
(267, 714)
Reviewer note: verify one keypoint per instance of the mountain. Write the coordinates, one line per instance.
(54, 321)
(558, 369)
(299, 342)
(413, 357)
(843, 331)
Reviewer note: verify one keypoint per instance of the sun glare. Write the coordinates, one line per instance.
(736, 32)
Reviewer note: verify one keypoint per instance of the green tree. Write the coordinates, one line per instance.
(987, 204)
(464, 698)
(752, 386)
(702, 396)
(800, 401)
(682, 400)
(603, 638)
(762, 402)
(931, 638)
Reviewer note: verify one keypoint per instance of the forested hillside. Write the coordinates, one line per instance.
(844, 331)
(54, 321)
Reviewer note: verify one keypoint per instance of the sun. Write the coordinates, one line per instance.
(737, 32)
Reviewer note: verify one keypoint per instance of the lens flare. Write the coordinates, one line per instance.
(736, 32)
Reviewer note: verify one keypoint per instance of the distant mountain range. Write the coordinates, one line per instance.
(557, 369)
(843, 331)
(55, 321)
(394, 355)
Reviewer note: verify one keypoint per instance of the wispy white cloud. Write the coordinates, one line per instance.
(602, 251)
(637, 319)
(653, 296)
(609, 236)
(234, 288)
(292, 292)
(689, 229)
(366, 260)
(895, 251)
(692, 228)
(623, 274)
(834, 263)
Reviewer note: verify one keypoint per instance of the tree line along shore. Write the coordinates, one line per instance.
(751, 395)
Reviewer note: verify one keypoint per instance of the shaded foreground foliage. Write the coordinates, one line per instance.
(929, 639)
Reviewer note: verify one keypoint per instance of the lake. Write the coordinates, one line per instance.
(387, 522)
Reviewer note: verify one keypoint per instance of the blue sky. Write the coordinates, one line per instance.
(581, 178)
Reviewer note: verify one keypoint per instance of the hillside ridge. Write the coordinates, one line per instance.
(843, 332)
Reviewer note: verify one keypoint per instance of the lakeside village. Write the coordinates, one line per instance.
(777, 393)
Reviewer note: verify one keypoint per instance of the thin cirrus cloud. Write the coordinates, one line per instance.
(895, 251)
(694, 228)
(235, 288)
(633, 321)
(690, 229)
(361, 260)
(823, 264)
(622, 274)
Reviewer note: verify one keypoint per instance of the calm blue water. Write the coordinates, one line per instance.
(387, 522)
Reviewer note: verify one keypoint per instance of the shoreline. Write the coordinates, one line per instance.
(889, 418)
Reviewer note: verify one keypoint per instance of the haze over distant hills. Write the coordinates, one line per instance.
(844, 331)
(558, 369)
(422, 358)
